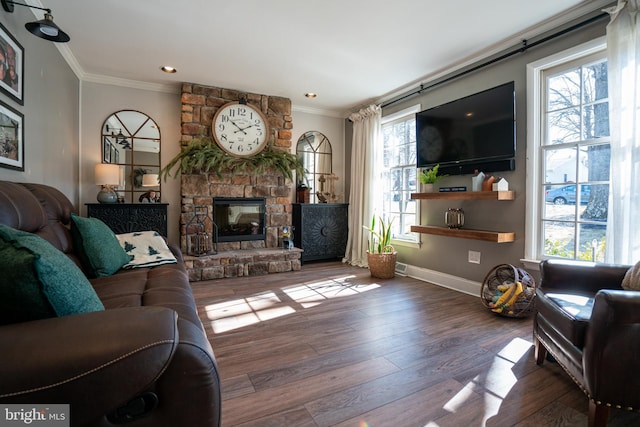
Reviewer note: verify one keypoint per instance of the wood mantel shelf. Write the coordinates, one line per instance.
(489, 236)
(465, 195)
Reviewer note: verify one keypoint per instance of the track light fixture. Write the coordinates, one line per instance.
(45, 28)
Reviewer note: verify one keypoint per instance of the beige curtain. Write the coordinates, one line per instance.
(363, 197)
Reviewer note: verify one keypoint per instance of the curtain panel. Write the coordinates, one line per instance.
(364, 196)
(623, 56)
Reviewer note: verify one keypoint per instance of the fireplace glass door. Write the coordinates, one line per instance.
(239, 219)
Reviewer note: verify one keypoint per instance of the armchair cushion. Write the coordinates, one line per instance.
(568, 312)
(98, 247)
(38, 281)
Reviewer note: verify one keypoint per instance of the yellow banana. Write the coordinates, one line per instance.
(508, 298)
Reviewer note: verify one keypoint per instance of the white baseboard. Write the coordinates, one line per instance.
(445, 280)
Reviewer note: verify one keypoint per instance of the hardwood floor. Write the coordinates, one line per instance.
(331, 346)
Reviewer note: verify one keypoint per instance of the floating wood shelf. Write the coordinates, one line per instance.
(489, 236)
(465, 195)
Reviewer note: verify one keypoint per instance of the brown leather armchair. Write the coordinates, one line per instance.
(591, 327)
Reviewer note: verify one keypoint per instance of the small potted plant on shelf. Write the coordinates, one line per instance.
(428, 177)
(381, 256)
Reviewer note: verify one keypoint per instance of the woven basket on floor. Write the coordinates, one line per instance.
(382, 266)
(507, 274)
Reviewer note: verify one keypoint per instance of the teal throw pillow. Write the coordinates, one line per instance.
(38, 281)
(97, 246)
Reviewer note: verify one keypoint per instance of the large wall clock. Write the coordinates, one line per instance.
(240, 129)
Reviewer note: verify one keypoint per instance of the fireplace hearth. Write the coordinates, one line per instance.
(239, 219)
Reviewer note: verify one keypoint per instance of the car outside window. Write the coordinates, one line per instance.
(571, 157)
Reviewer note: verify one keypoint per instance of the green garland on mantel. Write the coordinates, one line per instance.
(202, 155)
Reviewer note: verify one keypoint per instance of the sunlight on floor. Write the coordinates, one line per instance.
(495, 384)
(234, 314)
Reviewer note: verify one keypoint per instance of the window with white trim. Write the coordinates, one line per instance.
(399, 173)
(569, 155)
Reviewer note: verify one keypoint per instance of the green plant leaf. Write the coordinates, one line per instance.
(430, 176)
(202, 155)
(380, 237)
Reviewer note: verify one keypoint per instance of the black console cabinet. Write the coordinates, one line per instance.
(320, 230)
(129, 217)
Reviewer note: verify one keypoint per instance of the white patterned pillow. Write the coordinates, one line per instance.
(147, 248)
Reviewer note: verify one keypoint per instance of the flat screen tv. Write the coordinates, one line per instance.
(475, 132)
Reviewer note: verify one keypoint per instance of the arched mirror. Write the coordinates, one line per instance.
(131, 139)
(314, 150)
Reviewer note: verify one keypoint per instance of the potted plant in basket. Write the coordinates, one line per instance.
(381, 256)
(428, 177)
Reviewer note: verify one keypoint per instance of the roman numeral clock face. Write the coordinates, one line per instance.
(240, 129)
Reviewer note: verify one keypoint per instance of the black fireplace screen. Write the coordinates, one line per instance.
(239, 218)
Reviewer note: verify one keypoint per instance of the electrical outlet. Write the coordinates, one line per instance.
(474, 257)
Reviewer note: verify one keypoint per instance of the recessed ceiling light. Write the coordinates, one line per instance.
(168, 69)
(310, 95)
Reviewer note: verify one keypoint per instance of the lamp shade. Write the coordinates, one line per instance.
(47, 29)
(150, 180)
(107, 174)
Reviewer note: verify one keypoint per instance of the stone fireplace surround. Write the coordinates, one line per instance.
(250, 257)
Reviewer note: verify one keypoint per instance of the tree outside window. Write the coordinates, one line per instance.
(576, 160)
(399, 176)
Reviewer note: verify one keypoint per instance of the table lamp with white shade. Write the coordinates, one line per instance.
(108, 177)
(150, 180)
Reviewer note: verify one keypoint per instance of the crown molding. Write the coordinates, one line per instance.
(83, 76)
(133, 84)
(579, 11)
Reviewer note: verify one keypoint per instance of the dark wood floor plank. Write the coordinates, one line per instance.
(311, 366)
(419, 408)
(330, 345)
(298, 417)
(283, 398)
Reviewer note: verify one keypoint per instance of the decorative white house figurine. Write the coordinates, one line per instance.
(501, 185)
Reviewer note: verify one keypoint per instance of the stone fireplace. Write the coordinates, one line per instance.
(247, 255)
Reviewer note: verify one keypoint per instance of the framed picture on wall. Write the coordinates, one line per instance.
(11, 138)
(11, 66)
(106, 150)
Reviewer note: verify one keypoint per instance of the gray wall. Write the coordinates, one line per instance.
(99, 101)
(333, 129)
(449, 255)
(51, 111)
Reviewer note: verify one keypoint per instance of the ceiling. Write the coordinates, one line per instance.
(350, 52)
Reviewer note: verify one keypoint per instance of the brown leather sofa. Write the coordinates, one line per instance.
(591, 327)
(145, 360)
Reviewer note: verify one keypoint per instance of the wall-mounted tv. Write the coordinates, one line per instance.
(475, 132)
